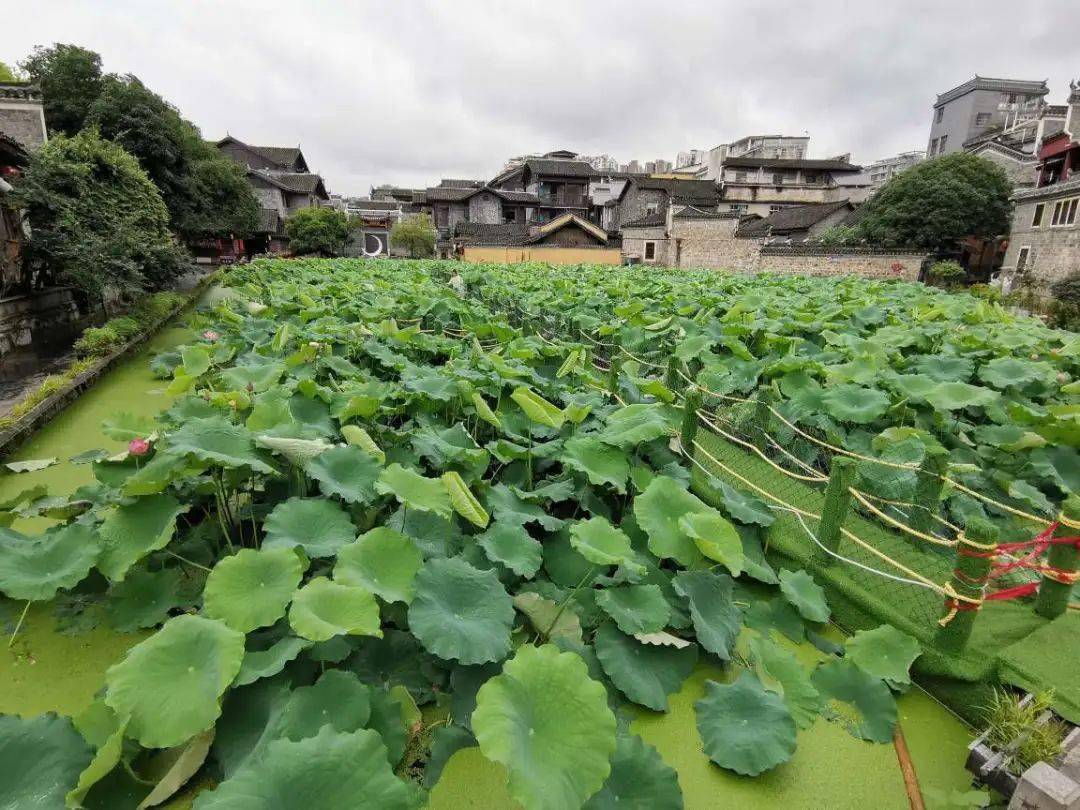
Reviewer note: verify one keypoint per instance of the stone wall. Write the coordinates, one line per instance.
(817, 261)
(485, 208)
(637, 202)
(23, 120)
(634, 239)
(712, 243)
(40, 321)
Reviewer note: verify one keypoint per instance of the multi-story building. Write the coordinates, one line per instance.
(706, 163)
(22, 116)
(884, 170)
(602, 163)
(763, 186)
(557, 182)
(978, 106)
(1044, 241)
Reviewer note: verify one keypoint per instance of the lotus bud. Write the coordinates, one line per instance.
(1062, 377)
(1034, 355)
(210, 334)
(138, 447)
(251, 388)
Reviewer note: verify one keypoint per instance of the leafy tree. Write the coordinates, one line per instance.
(937, 202)
(7, 74)
(70, 80)
(414, 234)
(97, 219)
(837, 235)
(319, 230)
(947, 273)
(1066, 303)
(219, 199)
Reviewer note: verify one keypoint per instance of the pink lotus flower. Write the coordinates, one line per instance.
(210, 334)
(138, 447)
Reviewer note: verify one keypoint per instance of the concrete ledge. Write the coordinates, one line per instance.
(13, 437)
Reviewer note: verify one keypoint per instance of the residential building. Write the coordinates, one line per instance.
(604, 192)
(801, 223)
(457, 201)
(706, 163)
(22, 116)
(558, 182)
(566, 239)
(283, 184)
(372, 220)
(884, 170)
(1044, 241)
(979, 105)
(1014, 147)
(763, 186)
(602, 163)
(645, 196)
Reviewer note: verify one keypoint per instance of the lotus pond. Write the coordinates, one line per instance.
(371, 545)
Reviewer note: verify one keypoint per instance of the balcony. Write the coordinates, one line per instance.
(563, 199)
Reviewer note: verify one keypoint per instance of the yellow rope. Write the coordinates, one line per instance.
(712, 426)
(937, 541)
(1066, 522)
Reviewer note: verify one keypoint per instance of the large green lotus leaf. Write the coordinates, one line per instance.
(854, 403)
(658, 510)
(170, 684)
(382, 561)
(883, 652)
(645, 673)
(445, 742)
(716, 538)
(104, 730)
(143, 599)
(954, 396)
(944, 367)
(131, 532)
(860, 701)
(252, 588)
(1030, 496)
(348, 472)
(742, 506)
(509, 508)
(217, 441)
(337, 699)
(452, 448)
(429, 382)
(266, 663)
(547, 618)
(460, 613)
(550, 725)
(716, 618)
(296, 451)
(635, 608)
(323, 609)
(40, 761)
(34, 568)
(331, 769)
(766, 615)
(124, 426)
(415, 491)
(806, 595)
(1002, 372)
(512, 546)
(639, 780)
(601, 543)
(397, 659)
(321, 527)
(196, 360)
(744, 727)
(601, 463)
(635, 424)
(781, 671)
(259, 373)
(537, 408)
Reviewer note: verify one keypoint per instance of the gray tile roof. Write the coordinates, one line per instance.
(296, 182)
(801, 217)
(284, 156)
(452, 183)
(479, 233)
(269, 221)
(750, 162)
(657, 219)
(687, 192)
(561, 168)
(693, 212)
(448, 194)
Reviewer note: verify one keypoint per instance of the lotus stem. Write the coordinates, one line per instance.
(558, 613)
(185, 560)
(22, 618)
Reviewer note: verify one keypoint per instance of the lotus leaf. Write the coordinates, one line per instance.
(252, 588)
(635, 608)
(320, 527)
(36, 567)
(601, 543)
(658, 510)
(743, 727)
(217, 441)
(512, 546)
(600, 462)
(712, 609)
(806, 595)
(639, 780)
(415, 491)
(862, 702)
(883, 652)
(635, 424)
(348, 472)
(323, 609)
(40, 761)
(645, 673)
(382, 561)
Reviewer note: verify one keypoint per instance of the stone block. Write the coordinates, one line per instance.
(1043, 787)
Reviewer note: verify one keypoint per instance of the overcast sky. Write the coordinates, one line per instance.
(408, 92)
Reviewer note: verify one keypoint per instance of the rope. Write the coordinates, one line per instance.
(899, 524)
(817, 478)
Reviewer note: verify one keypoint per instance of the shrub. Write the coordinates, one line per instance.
(414, 234)
(947, 273)
(97, 341)
(986, 292)
(318, 230)
(125, 327)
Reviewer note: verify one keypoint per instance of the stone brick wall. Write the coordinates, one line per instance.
(814, 261)
(711, 243)
(485, 208)
(637, 201)
(634, 239)
(1054, 252)
(23, 120)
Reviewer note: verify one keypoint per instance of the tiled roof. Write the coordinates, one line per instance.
(296, 182)
(517, 196)
(987, 83)
(452, 183)
(456, 194)
(692, 212)
(792, 163)
(801, 217)
(657, 219)
(478, 233)
(269, 221)
(284, 156)
(753, 225)
(563, 168)
(448, 194)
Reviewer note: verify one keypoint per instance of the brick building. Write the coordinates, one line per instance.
(763, 186)
(645, 196)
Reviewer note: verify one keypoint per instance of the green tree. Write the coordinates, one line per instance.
(937, 202)
(97, 219)
(70, 80)
(320, 230)
(219, 200)
(7, 74)
(414, 234)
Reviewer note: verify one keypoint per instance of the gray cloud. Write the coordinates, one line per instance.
(411, 91)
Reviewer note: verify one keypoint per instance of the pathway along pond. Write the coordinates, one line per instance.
(59, 669)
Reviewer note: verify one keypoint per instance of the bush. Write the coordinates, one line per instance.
(948, 273)
(414, 234)
(1065, 310)
(986, 292)
(97, 341)
(97, 219)
(320, 230)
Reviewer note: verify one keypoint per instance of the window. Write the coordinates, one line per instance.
(811, 177)
(778, 178)
(982, 119)
(939, 115)
(933, 147)
(1022, 260)
(740, 177)
(650, 251)
(774, 208)
(941, 145)
(739, 207)
(1036, 219)
(652, 208)
(1064, 212)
